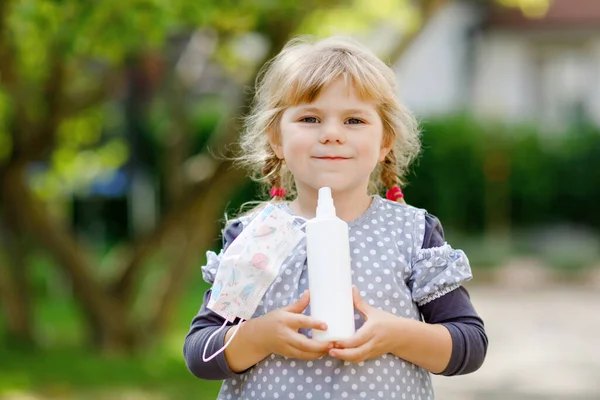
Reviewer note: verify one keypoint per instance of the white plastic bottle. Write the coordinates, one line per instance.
(329, 271)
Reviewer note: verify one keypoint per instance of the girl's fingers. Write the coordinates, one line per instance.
(305, 355)
(359, 303)
(308, 349)
(362, 336)
(354, 355)
(306, 322)
(300, 304)
(303, 343)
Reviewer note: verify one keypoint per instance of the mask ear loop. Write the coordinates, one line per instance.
(222, 349)
(211, 337)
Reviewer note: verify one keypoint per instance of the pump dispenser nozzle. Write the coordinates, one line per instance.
(325, 207)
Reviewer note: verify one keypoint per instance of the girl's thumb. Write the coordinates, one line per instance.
(359, 302)
(300, 304)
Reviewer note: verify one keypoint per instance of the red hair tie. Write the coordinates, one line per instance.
(277, 192)
(394, 193)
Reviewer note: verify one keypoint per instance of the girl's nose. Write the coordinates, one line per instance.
(332, 133)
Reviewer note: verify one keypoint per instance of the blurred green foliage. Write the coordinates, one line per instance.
(90, 43)
(549, 178)
(66, 369)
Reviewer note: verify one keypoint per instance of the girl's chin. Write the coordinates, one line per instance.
(337, 181)
(335, 186)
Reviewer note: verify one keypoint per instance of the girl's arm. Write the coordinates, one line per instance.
(245, 349)
(469, 339)
(207, 322)
(275, 332)
(451, 341)
(428, 346)
(455, 311)
(203, 326)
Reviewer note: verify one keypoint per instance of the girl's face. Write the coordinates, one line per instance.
(335, 141)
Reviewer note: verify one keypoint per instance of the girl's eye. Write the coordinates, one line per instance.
(310, 120)
(354, 121)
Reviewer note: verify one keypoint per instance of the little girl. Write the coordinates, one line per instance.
(326, 115)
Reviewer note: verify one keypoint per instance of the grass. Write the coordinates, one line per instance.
(74, 373)
(65, 369)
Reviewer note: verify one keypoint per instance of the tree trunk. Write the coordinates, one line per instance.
(111, 323)
(177, 146)
(14, 283)
(15, 295)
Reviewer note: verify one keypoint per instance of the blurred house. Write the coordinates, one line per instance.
(496, 62)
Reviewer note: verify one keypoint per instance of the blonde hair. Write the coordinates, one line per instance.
(296, 76)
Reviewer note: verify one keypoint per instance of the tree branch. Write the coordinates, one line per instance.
(7, 70)
(42, 139)
(108, 84)
(4, 12)
(188, 211)
(223, 185)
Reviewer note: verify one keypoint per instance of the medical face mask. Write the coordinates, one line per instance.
(249, 266)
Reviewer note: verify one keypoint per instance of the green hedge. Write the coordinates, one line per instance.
(472, 174)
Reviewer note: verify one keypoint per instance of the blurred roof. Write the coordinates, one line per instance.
(562, 14)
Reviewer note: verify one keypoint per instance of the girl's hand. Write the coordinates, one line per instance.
(278, 332)
(378, 335)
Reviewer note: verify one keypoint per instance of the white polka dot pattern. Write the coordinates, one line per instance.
(382, 244)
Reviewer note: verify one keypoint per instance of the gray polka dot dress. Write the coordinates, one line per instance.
(392, 273)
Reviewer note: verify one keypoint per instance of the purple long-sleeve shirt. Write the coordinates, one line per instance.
(454, 310)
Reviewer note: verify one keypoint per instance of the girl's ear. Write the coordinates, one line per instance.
(275, 144)
(386, 146)
(383, 152)
(278, 150)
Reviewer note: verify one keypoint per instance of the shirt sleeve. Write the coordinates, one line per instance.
(455, 311)
(436, 270)
(207, 322)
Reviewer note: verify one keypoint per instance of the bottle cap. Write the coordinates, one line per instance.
(325, 207)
